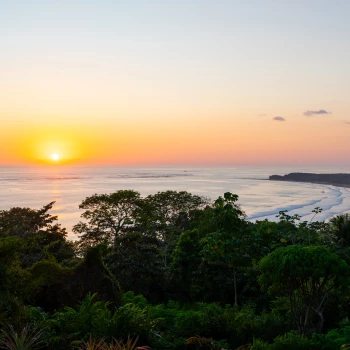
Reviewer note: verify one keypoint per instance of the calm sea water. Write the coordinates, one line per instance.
(36, 186)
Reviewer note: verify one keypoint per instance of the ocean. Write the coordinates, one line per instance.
(260, 198)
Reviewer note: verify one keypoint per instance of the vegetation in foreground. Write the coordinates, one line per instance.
(172, 271)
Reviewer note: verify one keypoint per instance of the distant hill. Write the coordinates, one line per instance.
(331, 179)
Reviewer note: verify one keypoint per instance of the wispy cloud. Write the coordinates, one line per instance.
(320, 111)
(262, 115)
(280, 119)
(346, 122)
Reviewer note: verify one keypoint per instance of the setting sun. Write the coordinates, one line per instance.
(55, 157)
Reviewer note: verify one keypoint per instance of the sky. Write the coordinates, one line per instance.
(198, 82)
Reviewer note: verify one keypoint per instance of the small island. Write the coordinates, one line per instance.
(327, 179)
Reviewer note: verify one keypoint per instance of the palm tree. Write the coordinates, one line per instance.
(341, 228)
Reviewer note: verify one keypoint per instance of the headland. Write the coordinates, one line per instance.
(341, 180)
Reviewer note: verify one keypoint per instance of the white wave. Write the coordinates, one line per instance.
(259, 198)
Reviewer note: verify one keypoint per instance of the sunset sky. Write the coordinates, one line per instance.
(175, 82)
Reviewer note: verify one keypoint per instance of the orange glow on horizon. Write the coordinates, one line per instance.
(205, 141)
(117, 84)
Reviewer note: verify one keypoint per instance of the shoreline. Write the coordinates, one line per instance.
(314, 182)
(302, 182)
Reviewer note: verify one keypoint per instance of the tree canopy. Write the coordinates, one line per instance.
(306, 274)
(176, 271)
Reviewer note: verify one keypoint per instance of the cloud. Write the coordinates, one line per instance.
(280, 119)
(262, 115)
(320, 111)
(346, 122)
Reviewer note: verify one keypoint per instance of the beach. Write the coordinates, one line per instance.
(34, 187)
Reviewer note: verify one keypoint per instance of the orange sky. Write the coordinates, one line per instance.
(249, 140)
(174, 84)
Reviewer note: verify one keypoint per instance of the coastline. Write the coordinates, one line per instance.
(302, 182)
(258, 198)
(331, 179)
(314, 182)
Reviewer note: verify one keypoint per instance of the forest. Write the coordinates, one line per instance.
(173, 270)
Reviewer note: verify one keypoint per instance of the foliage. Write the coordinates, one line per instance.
(185, 264)
(249, 324)
(51, 286)
(172, 214)
(335, 339)
(101, 319)
(181, 263)
(24, 222)
(177, 323)
(38, 232)
(173, 208)
(206, 343)
(306, 275)
(129, 344)
(340, 225)
(108, 216)
(137, 263)
(12, 281)
(27, 339)
(93, 344)
(225, 244)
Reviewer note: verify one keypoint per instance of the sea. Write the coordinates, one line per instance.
(260, 198)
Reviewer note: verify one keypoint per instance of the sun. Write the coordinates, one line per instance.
(55, 157)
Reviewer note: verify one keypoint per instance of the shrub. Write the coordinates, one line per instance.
(27, 339)
(266, 326)
(98, 319)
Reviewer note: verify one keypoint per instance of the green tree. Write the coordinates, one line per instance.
(51, 286)
(172, 214)
(11, 280)
(225, 244)
(340, 225)
(24, 222)
(39, 234)
(305, 274)
(107, 216)
(137, 263)
(185, 263)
